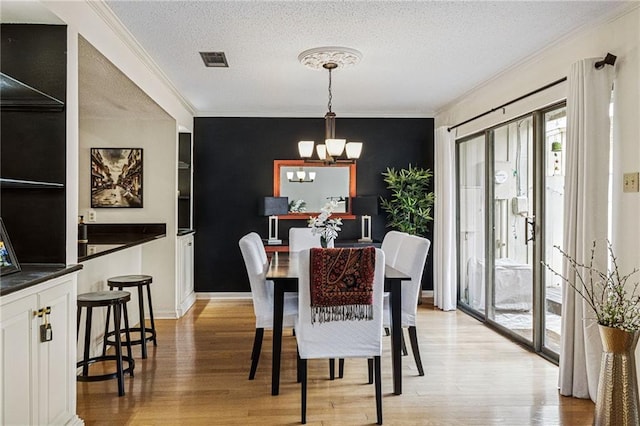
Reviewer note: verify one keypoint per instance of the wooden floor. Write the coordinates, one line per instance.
(198, 375)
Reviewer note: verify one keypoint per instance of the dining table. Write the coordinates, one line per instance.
(284, 272)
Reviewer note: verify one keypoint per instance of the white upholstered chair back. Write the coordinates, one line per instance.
(302, 238)
(411, 258)
(339, 339)
(390, 246)
(255, 260)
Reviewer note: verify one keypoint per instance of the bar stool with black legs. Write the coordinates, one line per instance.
(146, 333)
(117, 299)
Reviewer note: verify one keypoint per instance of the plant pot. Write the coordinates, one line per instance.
(617, 399)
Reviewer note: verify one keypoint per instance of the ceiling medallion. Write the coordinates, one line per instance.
(339, 57)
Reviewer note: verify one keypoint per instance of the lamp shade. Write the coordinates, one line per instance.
(354, 149)
(321, 149)
(366, 205)
(335, 147)
(305, 149)
(273, 206)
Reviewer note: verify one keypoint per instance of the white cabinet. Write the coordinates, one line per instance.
(38, 379)
(185, 287)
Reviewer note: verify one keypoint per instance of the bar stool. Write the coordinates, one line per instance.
(146, 333)
(117, 299)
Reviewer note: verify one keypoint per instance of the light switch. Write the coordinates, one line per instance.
(631, 182)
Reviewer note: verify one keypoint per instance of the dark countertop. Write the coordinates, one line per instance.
(32, 274)
(105, 238)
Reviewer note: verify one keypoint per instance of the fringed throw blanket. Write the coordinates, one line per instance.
(342, 284)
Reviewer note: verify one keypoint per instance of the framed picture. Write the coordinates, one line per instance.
(116, 177)
(7, 255)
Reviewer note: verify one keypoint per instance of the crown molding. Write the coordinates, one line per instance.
(292, 114)
(113, 22)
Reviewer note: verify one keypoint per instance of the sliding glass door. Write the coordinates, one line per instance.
(513, 222)
(555, 128)
(510, 186)
(471, 222)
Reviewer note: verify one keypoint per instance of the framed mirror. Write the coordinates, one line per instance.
(310, 185)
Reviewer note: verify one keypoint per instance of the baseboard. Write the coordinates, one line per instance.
(427, 293)
(186, 304)
(74, 421)
(230, 295)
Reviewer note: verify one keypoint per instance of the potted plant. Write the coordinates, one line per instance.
(618, 315)
(409, 208)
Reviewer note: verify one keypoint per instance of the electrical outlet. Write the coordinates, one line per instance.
(91, 215)
(631, 182)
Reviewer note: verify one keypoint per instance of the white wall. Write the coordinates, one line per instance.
(620, 36)
(157, 140)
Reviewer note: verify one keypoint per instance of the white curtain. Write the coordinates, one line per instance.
(444, 250)
(585, 220)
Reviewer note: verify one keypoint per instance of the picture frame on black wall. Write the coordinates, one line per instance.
(116, 177)
(8, 258)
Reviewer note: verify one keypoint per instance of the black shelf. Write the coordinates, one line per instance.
(17, 96)
(28, 184)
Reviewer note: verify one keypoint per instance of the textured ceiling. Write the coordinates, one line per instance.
(104, 92)
(417, 56)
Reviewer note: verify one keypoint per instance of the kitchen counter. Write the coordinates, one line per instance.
(105, 238)
(32, 274)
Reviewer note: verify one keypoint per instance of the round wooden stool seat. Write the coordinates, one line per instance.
(147, 334)
(103, 298)
(129, 280)
(118, 300)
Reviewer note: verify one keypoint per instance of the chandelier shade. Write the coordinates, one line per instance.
(354, 149)
(305, 149)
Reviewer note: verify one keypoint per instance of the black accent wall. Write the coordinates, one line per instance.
(233, 169)
(33, 145)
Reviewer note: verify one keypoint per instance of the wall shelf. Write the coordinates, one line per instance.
(17, 96)
(28, 184)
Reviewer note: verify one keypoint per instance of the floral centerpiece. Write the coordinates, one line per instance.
(607, 293)
(327, 228)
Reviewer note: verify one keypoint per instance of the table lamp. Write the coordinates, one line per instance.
(365, 206)
(272, 207)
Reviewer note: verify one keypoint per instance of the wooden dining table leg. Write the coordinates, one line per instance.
(278, 307)
(396, 334)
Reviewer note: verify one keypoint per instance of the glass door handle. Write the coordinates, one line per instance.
(529, 229)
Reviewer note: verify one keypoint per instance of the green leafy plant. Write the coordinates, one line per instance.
(409, 208)
(606, 292)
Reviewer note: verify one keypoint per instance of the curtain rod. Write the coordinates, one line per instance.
(609, 59)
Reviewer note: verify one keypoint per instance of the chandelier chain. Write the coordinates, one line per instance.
(330, 95)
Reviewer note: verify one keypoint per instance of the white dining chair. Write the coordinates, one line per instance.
(391, 245)
(256, 263)
(339, 338)
(410, 260)
(302, 238)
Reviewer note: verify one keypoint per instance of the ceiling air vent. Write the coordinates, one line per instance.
(214, 59)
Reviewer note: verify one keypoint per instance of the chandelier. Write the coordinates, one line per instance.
(301, 176)
(333, 150)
